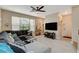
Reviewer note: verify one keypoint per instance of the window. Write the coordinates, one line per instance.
(20, 23)
(32, 25)
(24, 24)
(15, 23)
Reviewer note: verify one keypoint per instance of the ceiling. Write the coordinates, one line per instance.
(25, 9)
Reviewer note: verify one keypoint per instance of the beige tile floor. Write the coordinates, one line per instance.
(57, 46)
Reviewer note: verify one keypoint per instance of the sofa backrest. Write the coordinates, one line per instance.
(23, 32)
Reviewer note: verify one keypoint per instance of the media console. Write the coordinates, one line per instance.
(51, 35)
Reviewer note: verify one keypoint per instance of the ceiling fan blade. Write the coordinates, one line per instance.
(41, 7)
(32, 8)
(42, 10)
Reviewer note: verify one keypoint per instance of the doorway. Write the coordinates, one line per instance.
(67, 27)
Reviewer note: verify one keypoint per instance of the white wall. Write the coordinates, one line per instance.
(52, 18)
(75, 23)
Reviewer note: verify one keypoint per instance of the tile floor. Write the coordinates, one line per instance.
(57, 46)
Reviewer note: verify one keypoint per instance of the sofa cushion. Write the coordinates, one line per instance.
(11, 38)
(18, 41)
(5, 36)
(16, 38)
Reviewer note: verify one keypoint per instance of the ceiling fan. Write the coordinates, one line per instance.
(37, 9)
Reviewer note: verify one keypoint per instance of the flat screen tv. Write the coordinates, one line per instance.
(51, 26)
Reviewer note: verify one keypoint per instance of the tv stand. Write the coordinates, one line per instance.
(51, 35)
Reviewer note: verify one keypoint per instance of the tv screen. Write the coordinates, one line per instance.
(51, 26)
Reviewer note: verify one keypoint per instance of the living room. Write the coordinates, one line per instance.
(33, 27)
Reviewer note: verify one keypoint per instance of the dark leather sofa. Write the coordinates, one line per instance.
(21, 32)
